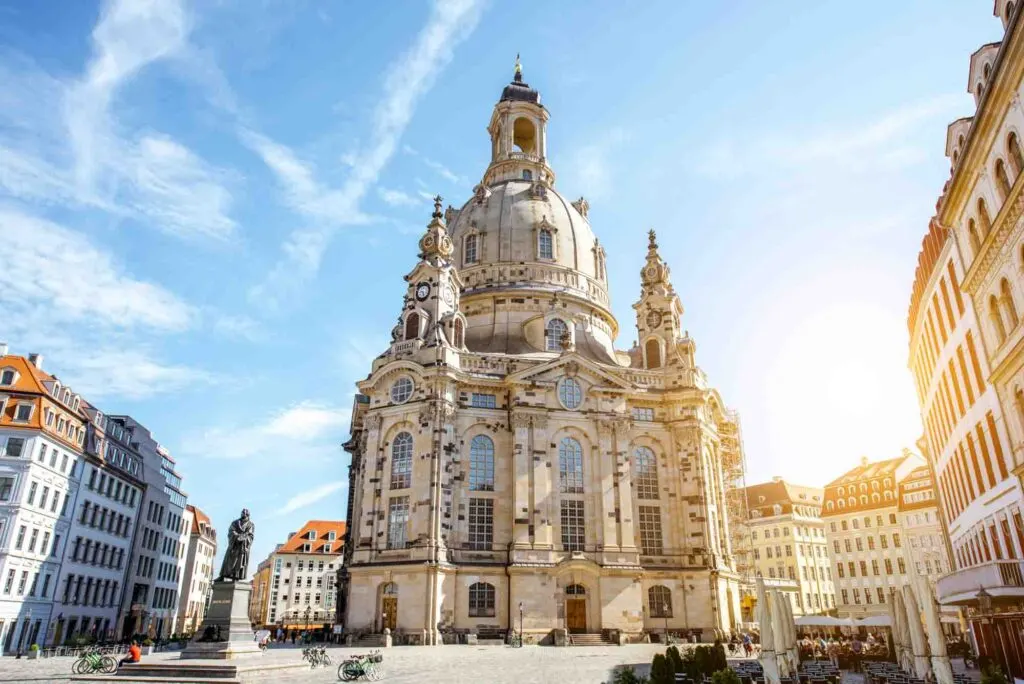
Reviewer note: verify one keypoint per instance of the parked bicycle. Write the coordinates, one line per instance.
(317, 656)
(361, 666)
(92, 662)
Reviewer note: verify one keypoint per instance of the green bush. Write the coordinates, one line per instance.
(147, 642)
(624, 674)
(34, 647)
(725, 676)
(718, 661)
(661, 671)
(674, 659)
(992, 674)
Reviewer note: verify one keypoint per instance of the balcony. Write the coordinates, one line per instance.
(1001, 579)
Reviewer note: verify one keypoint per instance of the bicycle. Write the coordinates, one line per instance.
(93, 661)
(515, 640)
(361, 666)
(317, 657)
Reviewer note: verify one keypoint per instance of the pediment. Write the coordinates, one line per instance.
(569, 364)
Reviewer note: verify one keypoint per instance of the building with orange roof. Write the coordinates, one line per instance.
(197, 578)
(301, 579)
(924, 537)
(865, 536)
(43, 430)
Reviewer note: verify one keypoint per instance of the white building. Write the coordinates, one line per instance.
(197, 577)
(103, 522)
(42, 432)
(158, 555)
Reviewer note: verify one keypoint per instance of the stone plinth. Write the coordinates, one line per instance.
(226, 632)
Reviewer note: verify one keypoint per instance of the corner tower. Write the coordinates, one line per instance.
(518, 130)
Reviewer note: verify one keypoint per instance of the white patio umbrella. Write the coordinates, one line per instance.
(894, 628)
(779, 629)
(904, 657)
(917, 639)
(936, 638)
(769, 663)
(794, 648)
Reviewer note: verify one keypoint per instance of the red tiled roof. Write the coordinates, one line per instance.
(322, 528)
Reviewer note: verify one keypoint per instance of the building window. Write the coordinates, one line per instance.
(644, 414)
(902, 566)
(470, 249)
(6, 488)
(23, 413)
(401, 461)
(545, 245)
(650, 531)
(7, 377)
(481, 523)
(570, 393)
(896, 539)
(553, 334)
(481, 600)
(659, 601)
(888, 566)
(412, 326)
(570, 466)
(481, 464)
(398, 520)
(573, 530)
(15, 445)
(401, 390)
(646, 472)
(485, 401)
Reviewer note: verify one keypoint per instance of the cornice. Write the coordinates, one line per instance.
(1009, 364)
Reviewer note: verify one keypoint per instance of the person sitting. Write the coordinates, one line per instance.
(134, 654)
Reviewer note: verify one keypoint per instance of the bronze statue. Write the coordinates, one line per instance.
(236, 559)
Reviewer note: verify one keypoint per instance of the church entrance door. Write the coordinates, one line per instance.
(576, 615)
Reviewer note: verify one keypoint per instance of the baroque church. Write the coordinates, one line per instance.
(511, 469)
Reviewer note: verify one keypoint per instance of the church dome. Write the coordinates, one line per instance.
(533, 227)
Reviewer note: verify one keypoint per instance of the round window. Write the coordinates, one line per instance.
(401, 390)
(570, 393)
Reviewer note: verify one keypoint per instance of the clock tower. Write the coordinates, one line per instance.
(659, 311)
(431, 324)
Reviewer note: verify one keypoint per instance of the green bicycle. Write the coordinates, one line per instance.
(93, 662)
(361, 666)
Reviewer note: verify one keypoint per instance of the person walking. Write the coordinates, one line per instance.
(856, 648)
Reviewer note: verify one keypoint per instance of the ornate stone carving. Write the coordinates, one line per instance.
(539, 191)
(582, 206)
(481, 193)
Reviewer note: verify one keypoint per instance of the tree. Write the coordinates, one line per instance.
(672, 654)
(725, 676)
(661, 670)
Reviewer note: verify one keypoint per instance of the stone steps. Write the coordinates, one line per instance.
(589, 640)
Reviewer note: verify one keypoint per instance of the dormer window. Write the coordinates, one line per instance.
(311, 535)
(306, 548)
(327, 548)
(469, 249)
(23, 412)
(56, 390)
(331, 536)
(545, 244)
(8, 376)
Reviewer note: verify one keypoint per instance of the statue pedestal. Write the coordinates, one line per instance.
(226, 632)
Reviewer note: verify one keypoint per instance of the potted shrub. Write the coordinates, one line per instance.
(147, 646)
(33, 651)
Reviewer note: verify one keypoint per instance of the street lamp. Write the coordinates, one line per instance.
(307, 622)
(520, 624)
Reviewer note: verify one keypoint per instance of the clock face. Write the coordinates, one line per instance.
(448, 295)
(422, 291)
(653, 319)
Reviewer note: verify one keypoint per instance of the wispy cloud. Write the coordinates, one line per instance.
(407, 80)
(885, 142)
(305, 424)
(591, 164)
(131, 374)
(311, 496)
(397, 198)
(62, 142)
(437, 166)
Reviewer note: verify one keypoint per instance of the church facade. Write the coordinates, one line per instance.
(510, 468)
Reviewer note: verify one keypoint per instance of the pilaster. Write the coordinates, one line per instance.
(521, 453)
(624, 488)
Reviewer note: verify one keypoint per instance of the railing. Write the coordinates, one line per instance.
(999, 578)
(524, 156)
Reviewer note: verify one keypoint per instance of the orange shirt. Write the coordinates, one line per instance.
(135, 652)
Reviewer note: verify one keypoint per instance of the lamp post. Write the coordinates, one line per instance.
(520, 624)
(307, 623)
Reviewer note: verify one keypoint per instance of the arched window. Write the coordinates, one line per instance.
(570, 393)
(972, 235)
(1014, 154)
(842, 491)
(401, 461)
(863, 487)
(659, 601)
(481, 600)
(412, 326)
(481, 464)
(842, 504)
(996, 319)
(458, 334)
(983, 217)
(875, 498)
(852, 501)
(653, 353)
(1009, 308)
(863, 500)
(469, 249)
(874, 485)
(978, 90)
(524, 136)
(1002, 180)
(527, 175)
(570, 466)
(645, 467)
(575, 590)
(545, 245)
(888, 496)
(888, 482)
(986, 70)
(553, 334)
(829, 506)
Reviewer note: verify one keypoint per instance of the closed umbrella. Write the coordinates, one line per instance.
(779, 629)
(917, 638)
(894, 633)
(936, 638)
(769, 663)
(794, 651)
(905, 659)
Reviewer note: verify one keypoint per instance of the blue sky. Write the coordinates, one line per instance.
(207, 208)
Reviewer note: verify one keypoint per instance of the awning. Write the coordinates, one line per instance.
(822, 621)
